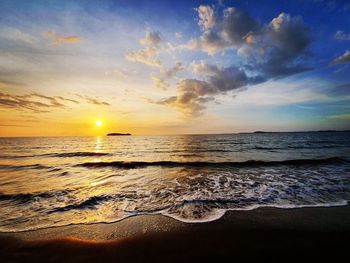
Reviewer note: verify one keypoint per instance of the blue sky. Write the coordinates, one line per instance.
(160, 67)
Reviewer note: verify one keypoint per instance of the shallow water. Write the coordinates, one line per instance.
(57, 181)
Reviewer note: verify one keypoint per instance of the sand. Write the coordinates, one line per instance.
(267, 234)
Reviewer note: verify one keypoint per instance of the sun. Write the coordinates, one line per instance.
(98, 123)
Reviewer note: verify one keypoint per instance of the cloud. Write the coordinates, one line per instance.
(342, 59)
(162, 79)
(121, 73)
(268, 51)
(280, 47)
(152, 39)
(178, 35)
(97, 102)
(33, 101)
(58, 39)
(16, 35)
(41, 103)
(274, 50)
(341, 35)
(94, 101)
(194, 94)
(345, 116)
(49, 33)
(65, 39)
(202, 67)
(160, 82)
(303, 107)
(206, 17)
(65, 99)
(171, 72)
(148, 55)
(209, 42)
(220, 33)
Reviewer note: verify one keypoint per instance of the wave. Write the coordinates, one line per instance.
(20, 167)
(77, 154)
(89, 203)
(27, 197)
(298, 147)
(267, 148)
(15, 156)
(250, 163)
(63, 155)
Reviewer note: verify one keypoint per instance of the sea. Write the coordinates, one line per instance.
(56, 181)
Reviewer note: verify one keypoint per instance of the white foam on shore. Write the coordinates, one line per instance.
(218, 213)
(213, 215)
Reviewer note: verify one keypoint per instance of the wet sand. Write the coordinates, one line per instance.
(263, 234)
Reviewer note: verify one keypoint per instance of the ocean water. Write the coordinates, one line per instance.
(55, 181)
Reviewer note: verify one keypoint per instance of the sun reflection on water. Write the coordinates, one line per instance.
(98, 144)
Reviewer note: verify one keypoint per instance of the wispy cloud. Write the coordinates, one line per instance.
(341, 35)
(33, 101)
(145, 56)
(59, 39)
(41, 103)
(342, 59)
(14, 34)
(162, 79)
(94, 101)
(305, 107)
(345, 116)
(148, 55)
(65, 39)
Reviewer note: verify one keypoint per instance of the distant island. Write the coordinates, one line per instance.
(299, 131)
(118, 134)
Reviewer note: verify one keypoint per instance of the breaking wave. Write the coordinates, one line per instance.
(251, 163)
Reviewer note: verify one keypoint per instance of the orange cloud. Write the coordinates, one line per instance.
(49, 33)
(58, 39)
(65, 39)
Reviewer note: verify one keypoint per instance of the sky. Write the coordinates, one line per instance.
(173, 67)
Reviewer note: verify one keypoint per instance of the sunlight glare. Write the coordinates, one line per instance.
(98, 123)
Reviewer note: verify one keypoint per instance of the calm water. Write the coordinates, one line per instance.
(48, 182)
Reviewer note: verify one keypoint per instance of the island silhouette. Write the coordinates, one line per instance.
(118, 134)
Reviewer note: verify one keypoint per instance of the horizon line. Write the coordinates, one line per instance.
(176, 134)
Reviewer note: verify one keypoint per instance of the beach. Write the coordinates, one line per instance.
(188, 198)
(262, 234)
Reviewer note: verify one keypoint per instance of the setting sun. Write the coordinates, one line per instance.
(98, 123)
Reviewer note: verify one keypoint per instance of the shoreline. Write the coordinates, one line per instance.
(225, 213)
(312, 232)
